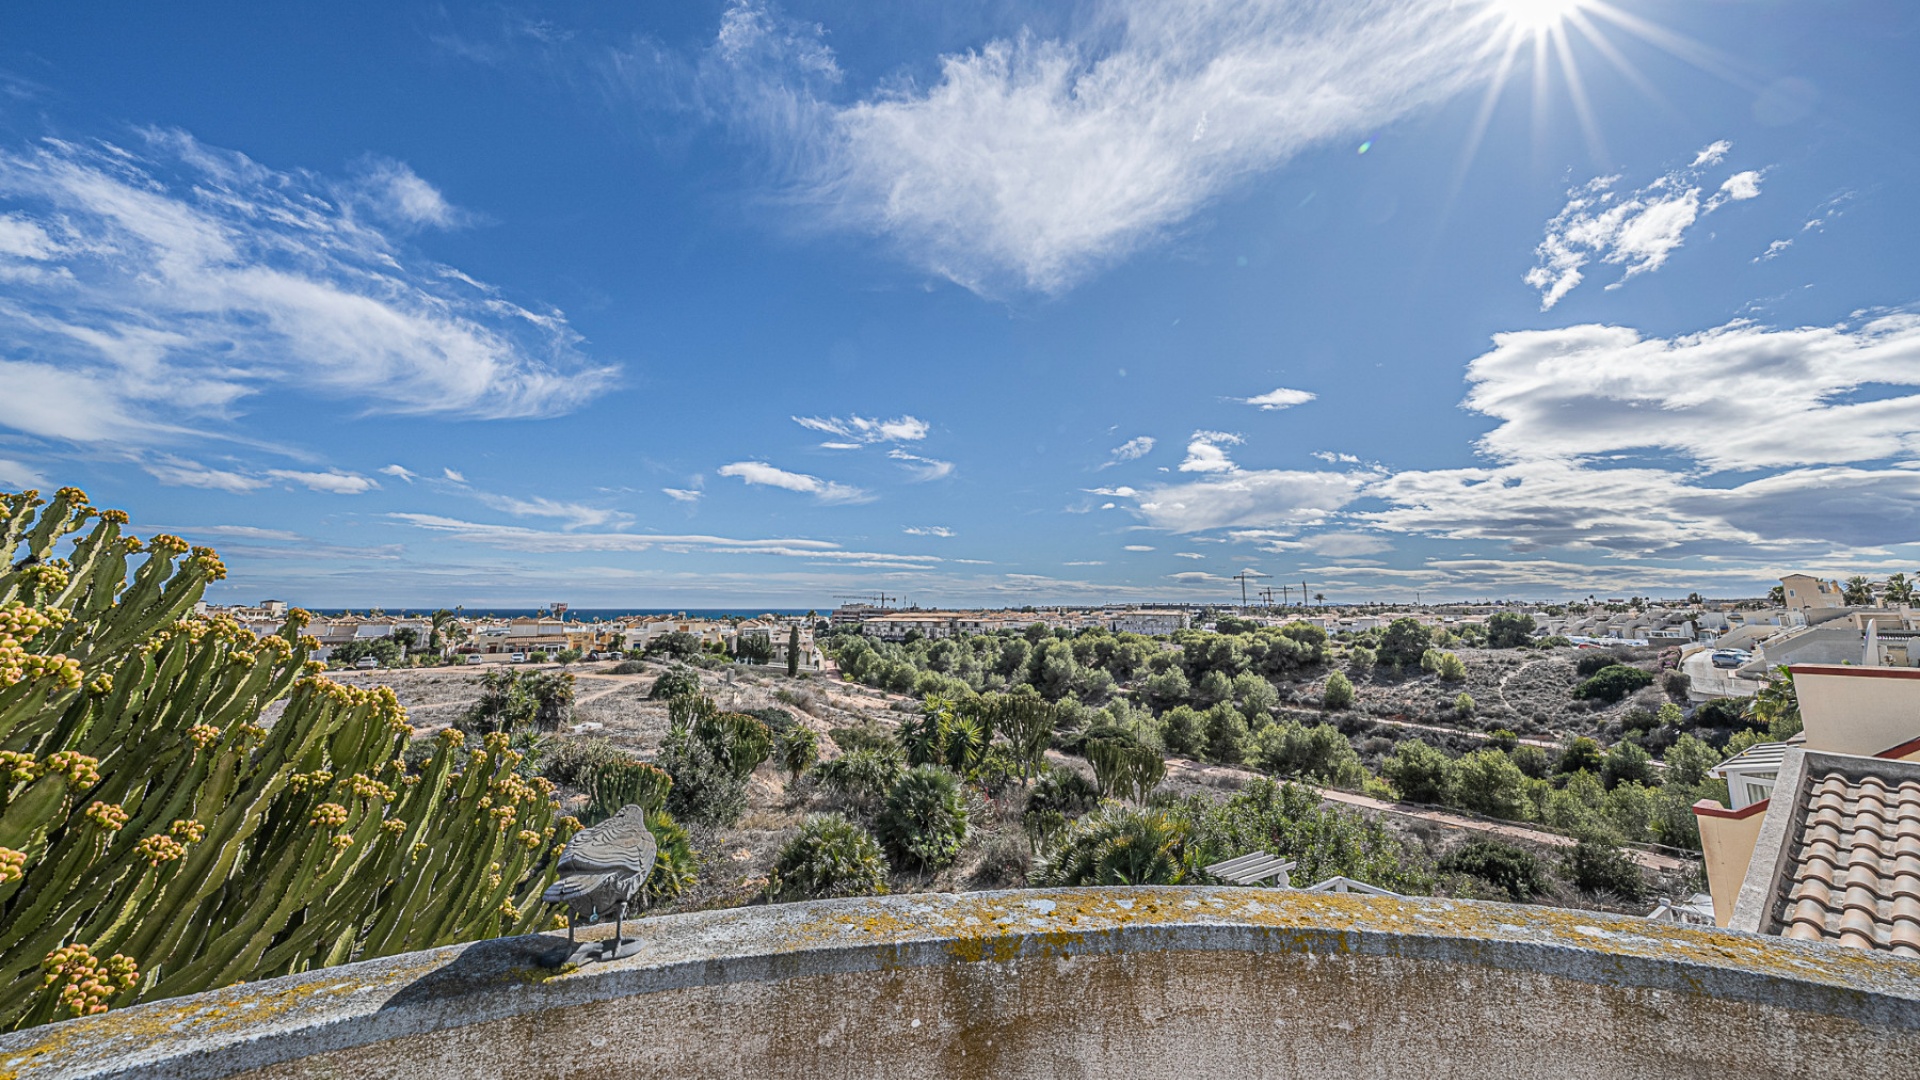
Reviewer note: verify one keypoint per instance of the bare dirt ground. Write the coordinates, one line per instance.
(736, 861)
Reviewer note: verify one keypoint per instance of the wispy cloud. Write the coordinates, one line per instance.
(1638, 231)
(147, 292)
(928, 530)
(854, 432)
(827, 491)
(921, 469)
(1138, 547)
(398, 472)
(1132, 450)
(684, 495)
(541, 541)
(18, 476)
(576, 515)
(453, 476)
(333, 481)
(1282, 398)
(1031, 161)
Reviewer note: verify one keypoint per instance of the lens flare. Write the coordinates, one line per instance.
(1535, 16)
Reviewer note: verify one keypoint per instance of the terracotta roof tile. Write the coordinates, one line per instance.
(1854, 872)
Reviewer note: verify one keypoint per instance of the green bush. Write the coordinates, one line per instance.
(628, 667)
(1503, 865)
(1339, 691)
(829, 857)
(862, 776)
(1612, 683)
(1591, 661)
(1403, 643)
(1626, 763)
(1361, 662)
(1509, 630)
(1421, 773)
(1488, 782)
(925, 819)
(622, 782)
(1319, 753)
(1450, 668)
(1116, 846)
(1596, 866)
(1124, 765)
(1288, 820)
(674, 682)
(797, 749)
(676, 866)
(707, 789)
(1226, 735)
(1062, 791)
(1182, 731)
(865, 735)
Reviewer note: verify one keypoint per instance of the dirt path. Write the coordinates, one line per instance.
(1223, 776)
(1544, 744)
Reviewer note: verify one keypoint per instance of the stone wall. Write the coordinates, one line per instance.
(1063, 983)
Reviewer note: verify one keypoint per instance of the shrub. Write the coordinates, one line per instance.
(1182, 731)
(1421, 773)
(1581, 755)
(865, 735)
(1116, 846)
(1339, 692)
(1509, 630)
(1430, 661)
(1403, 642)
(1592, 660)
(1626, 763)
(862, 776)
(674, 682)
(925, 820)
(539, 657)
(797, 749)
(1504, 865)
(1124, 765)
(829, 857)
(623, 781)
(776, 719)
(1062, 791)
(1319, 753)
(1288, 820)
(1004, 861)
(1612, 683)
(1488, 782)
(628, 667)
(706, 787)
(1226, 735)
(675, 864)
(805, 700)
(1361, 662)
(1450, 668)
(1595, 865)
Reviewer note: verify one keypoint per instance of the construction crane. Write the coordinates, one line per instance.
(1267, 595)
(1243, 577)
(880, 600)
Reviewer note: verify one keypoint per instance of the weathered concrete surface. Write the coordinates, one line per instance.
(1078, 982)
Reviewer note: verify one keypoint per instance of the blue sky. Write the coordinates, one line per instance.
(735, 304)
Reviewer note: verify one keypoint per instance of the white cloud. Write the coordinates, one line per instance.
(928, 530)
(1332, 458)
(857, 431)
(17, 476)
(453, 476)
(1638, 231)
(392, 190)
(827, 491)
(1206, 453)
(398, 472)
(1029, 162)
(172, 281)
(1774, 251)
(1132, 450)
(181, 472)
(1332, 544)
(1282, 398)
(520, 539)
(1249, 498)
(1195, 577)
(922, 469)
(333, 481)
(685, 495)
(576, 515)
(1188, 555)
(1138, 547)
(1085, 562)
(1712, 154)
(1742, 186)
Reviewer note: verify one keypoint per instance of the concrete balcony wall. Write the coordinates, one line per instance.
(1064, 983)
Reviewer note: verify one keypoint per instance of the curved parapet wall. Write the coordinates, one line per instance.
(1074, 982)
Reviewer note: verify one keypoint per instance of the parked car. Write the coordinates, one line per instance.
(476, 658)
(517, 658)
(366, 663)
(1730, 658)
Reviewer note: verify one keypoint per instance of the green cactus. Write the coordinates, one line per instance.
(624, 781)
(156, 839)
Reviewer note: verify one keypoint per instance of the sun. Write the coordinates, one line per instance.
(1535, 16)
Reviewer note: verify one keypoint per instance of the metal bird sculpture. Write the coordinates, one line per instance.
(601, 870)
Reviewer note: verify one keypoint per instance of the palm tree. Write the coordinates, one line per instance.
(1899, 590)
(436, 635)
(1858, 592)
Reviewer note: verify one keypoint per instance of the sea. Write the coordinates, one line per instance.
(582, 614)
